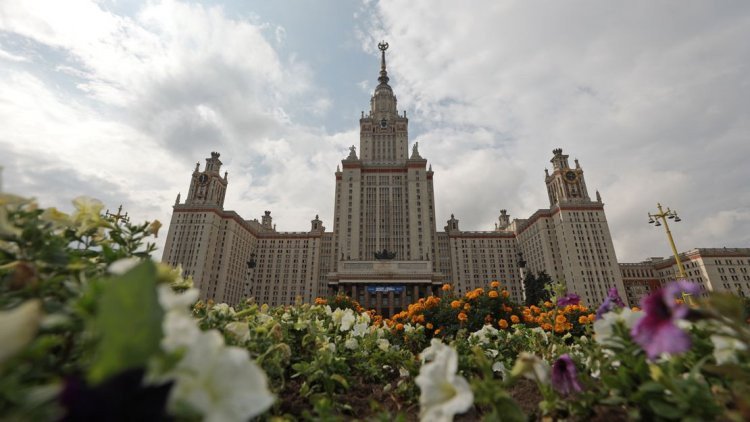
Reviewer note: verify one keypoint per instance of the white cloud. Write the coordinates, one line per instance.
(654, 101)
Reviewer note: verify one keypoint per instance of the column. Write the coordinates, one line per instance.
(390, 303)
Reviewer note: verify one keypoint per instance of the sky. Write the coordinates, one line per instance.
(118, 100)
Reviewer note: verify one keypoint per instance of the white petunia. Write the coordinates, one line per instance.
(240, 329)
(604, 326)
(222, 309)
(220, 382)
(121, 266)
(171, 300)
(726, 348)
(383, 344)
(180, 330)
(360, 329)
(482, 334)
(444, 393)
(532, 367)
(351, 343)
(430, 352)
(18, 327)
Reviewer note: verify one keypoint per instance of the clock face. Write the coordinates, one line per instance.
(202, 179)
(384, 123)
(571, 176)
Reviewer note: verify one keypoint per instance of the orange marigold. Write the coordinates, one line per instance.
(635, 309)
(502, 324)
(583, 319)
(505, 293)
(429, 326)
(495, 284)
(591, 317)
(456, 304)
(467, 307)
(399, 327)
(493, 294)
(514, 319)
(446, 287)
(320, 301)
(462, 317)
(560, 319)
(548, 304)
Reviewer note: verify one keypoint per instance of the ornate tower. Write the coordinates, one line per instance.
(565, 184)
(383, 133)
(208, 187)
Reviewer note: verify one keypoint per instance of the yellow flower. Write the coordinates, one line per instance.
(493, 294)
(505, 293)
(456, 304)
(495, 284)
(446, 287)
(88, 214)
(154, 227)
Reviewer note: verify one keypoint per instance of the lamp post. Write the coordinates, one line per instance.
(664, 216)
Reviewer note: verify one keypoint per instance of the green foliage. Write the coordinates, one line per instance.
(128, 321)
(536, 288)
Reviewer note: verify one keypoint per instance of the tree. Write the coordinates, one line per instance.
(535, 287)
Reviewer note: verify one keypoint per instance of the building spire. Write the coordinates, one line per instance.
(383, 79)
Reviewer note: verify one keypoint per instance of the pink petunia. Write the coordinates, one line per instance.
(657, 332)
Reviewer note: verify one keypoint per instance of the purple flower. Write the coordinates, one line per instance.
(569, 299)
(564, 375)
(656, 332)
(613, 300)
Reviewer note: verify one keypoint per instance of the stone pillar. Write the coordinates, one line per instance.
(354, 292)
(379, 301)
(367, 303)
(390, 303)
(403, 299)
(416, 293)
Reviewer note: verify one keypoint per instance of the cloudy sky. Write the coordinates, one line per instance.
(118, 99)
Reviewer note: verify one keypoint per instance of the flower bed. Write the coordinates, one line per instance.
(92, 329)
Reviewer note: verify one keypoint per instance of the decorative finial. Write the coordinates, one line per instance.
(383, 79)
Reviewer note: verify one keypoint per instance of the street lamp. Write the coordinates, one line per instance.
(664, 216)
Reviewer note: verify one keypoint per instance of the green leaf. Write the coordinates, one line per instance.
(341, 380)
(128, 321)
(727, 305)
(665, 410)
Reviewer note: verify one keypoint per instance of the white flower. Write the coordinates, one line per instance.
(500, 367)
(171, 300)
(18, 327)
(240, 329)
(403, 373)
(88, 213)
(351, 343)
(121, 266)
(604, 326)
(223, 309)
(532, 367)
(383, 344)
(180, 330)
(725, 348)
(360, 329)
(443, 392)
(481, 334)
(430, 352)
(220, 382)
(344, 318)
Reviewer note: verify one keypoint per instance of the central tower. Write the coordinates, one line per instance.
(384, 206)
(383, 133)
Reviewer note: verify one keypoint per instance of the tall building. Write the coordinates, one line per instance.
(385, 249)
(713, 269)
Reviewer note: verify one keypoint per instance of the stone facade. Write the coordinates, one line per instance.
(714, 269)
(384, 248)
